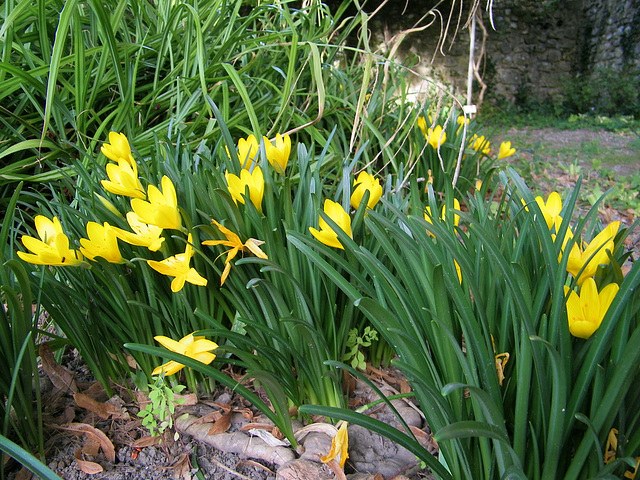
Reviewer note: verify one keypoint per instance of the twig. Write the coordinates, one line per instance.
(230, 470)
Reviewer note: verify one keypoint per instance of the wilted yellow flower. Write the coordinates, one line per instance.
(161, 209)
(178, 267)
(505, 150)
(145, 235)
(118, 148)
(278, 155)
(612, 448)
(326, 234)
(123, 179)
(197, 348)
(248, 150)
(254, 180)
(102, 242)
(585, 312)
(443, 217)
(591, 255)
(53, 246)
(363, 183)
(551, 208)
(252, 245)
(339, 446)
(480, 144)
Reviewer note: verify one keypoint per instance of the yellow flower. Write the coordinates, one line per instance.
(178, 267)
(458, 271)
(422, 125)
(278, 155)
(161, 209)
(118, 148)
(197, 348)
(585, 312)
(461, 122)
(501, 360)
(591, 255)
(339, 446)
(254, 180)
(247, 151)
(443, 216)
(366, 182)
(478, 185)
(53, 246)
(123, 179)
(505, 150)
(144, 236)
(326, 234)
(252, 245)
(551, 208)
(479, 144)
(436, 136)
(102, 242)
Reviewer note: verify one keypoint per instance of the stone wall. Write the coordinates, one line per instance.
(536, 49)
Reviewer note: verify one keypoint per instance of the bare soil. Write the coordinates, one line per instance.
(217, 436)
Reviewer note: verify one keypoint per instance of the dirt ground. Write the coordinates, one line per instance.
(218, 436)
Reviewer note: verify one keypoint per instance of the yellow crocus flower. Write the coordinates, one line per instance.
(436, 136)
(247, 151)
(551, 208)
(53, 246)
(365, 182)
(161, 207)
(326, 234)
(118, 148)
(178, 266)
(197, 348)
(505, 150)
(339, 446)
(254, 180)
(102, 242)
(443, 216)
(252, 245)
(123, 179)
(591, 255)
(585, 312)
(278, 154)
(480, 144)
(144, 235)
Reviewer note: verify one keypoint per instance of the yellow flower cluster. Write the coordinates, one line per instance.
(586, 309)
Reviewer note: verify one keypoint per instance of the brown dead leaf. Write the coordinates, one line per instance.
(247, 413)
(225, 407)
(91, 447)
(208, 418)
(405, 387)
(93, 433)
(59, 376)
(147, 441)
(263, 426)
(103, 410)
(189, 399)
(131, 362)
(182, 467)
(221, 425)
(418, 432)
(90, 468)
(24, 474)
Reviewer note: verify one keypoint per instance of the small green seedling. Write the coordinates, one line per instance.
(355, 342)
(157, 415)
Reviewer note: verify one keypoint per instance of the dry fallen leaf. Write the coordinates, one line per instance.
(147, 441)
(93, 433)
(59, 376)
(91, 447)
(103, 410)
(182, 467)
(221, 425)
(90, 468)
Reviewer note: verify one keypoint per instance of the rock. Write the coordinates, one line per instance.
(304, 470)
